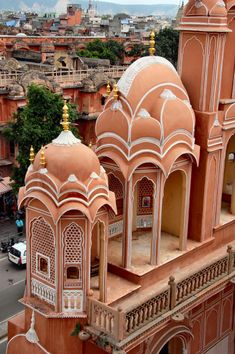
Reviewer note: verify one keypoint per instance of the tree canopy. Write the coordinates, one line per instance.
(36, 124)
(167, 42)
(137, 50)
(112, 50)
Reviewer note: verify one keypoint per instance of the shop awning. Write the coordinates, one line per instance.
(5, 185)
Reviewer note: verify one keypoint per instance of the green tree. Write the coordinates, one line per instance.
(117, 49)
(137, 50)
(112, 50)
(167, 42)
(37, 124)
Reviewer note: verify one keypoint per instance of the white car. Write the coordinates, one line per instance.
(17, 254)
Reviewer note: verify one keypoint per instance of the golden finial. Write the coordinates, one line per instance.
(42, 158)
(31, 155)
(152, 49)
(65, 122)
(108, 89)
(115, 91)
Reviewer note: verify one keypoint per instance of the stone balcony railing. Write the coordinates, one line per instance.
(65, 77)
(119, 324)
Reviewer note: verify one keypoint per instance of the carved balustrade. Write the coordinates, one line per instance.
(63, 77)
(116, 228)
(43, 291)
(147, 312)
(143, 221)
(106, 319)
(72, 300)
(117, 324)
(204, 278)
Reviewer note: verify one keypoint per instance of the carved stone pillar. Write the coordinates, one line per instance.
(156, 220)
(103, 232)
(127, 225)
(185, 209)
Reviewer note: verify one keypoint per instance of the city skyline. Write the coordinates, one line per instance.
(140, 2)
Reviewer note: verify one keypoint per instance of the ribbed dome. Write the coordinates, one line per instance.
(63, 161)
(67, 175)
(152, 116)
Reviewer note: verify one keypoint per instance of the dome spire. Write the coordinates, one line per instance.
(115, 91)
(152, 49)
(31, 155)
(66, 137)
(65, 122)
(42, 158)
(108, 90)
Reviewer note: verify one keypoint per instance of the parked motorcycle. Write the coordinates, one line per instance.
(6, 245)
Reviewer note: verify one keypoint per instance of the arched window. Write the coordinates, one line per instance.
(43, 250)
(73, 255)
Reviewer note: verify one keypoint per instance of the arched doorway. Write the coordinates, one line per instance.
(174, 211)
(116, 221)
(174, 346)
(228, 191)
(142, 221)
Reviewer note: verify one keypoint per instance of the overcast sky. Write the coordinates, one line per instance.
(142, 2)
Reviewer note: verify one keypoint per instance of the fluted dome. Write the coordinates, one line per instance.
(63, 161)
(66, 175)
(152, 116)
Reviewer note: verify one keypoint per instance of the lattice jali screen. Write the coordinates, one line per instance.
(73, 238)
(115, 186)
(43, 242)
(145, 188)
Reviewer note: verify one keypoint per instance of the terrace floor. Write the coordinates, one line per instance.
(225, 215)
(141, 243)
(120, 288)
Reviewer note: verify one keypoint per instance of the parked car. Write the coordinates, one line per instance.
(17, 254)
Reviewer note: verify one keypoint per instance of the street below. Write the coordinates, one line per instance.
(12, 280)
(12, 285)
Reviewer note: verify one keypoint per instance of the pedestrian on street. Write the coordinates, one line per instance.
(19, 225)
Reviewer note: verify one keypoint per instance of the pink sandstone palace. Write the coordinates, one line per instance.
(131, 247)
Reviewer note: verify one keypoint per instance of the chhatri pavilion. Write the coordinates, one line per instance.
(130, 243)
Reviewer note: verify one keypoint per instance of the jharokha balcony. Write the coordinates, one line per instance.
(123, 317)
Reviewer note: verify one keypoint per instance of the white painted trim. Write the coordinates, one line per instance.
(24, 335)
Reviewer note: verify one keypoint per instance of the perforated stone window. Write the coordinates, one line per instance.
(43, 244)
(145, 190)
(73, 237)
(116, 187)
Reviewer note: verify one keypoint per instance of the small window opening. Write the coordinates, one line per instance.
(72, 273)
(43, 265)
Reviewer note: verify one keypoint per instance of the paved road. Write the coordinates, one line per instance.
(12, 283)
(3, 346)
